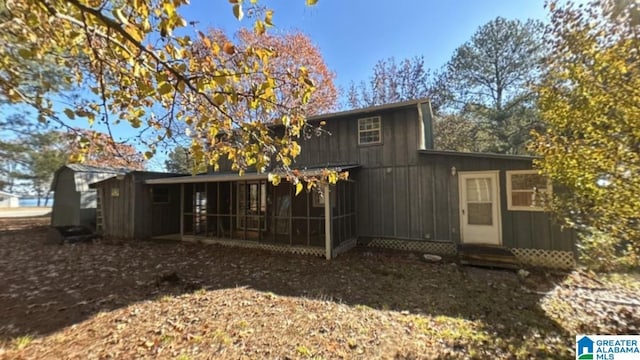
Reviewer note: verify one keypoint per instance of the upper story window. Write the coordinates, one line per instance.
(370, 130)
(527, 190)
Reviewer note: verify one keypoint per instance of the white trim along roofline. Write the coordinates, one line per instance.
(369, 109)
(236, 177)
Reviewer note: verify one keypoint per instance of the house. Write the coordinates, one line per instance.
(74, 203)
(8, 200)
(400, 194)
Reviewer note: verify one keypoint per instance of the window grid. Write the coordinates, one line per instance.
(531, 198)
(369, 130)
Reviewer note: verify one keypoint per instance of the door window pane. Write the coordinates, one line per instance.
(479, 190)
(480, 214)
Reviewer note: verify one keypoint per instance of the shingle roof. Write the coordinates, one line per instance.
(89, 168)
(85, 174)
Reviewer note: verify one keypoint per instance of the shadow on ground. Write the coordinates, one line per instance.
(45, 288)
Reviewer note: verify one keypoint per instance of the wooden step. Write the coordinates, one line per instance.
(487, 255)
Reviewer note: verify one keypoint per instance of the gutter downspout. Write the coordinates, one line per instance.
(181, 212)
(421, 139)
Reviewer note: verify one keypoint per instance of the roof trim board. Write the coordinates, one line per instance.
(236, 177)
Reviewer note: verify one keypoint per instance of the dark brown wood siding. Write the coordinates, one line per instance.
(400, 135)
(404, 193)
(166, 217)
(132, 214)
(118, 197)
(152, 219)
(421, 202)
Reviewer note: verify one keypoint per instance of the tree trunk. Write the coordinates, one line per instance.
(46, 198)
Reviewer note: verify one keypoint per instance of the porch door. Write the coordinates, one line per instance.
(252, 205)
(480, 208)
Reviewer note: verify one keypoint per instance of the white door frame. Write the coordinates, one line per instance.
(496, 210)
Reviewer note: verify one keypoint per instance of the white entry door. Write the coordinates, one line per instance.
(480, 208)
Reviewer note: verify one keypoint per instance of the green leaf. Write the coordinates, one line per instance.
(219, 99)
(164, 88)
(27, 54)
(237, 11)
(70, 114)
(135, 122)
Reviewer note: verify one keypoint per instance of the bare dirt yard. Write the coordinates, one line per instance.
(131, 300)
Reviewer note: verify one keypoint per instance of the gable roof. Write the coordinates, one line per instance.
(90, 168)
(146, 175)
(83, 175)
(370, 109)
(367, 110)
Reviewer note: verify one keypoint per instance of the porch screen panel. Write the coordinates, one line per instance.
(200, 209)
(282, 213)
(188, 198)
(188, 205)
(300, 218)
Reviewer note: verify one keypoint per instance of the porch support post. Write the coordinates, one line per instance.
(328, 243)
(181, 211)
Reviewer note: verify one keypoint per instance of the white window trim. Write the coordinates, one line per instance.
(510, 207)
(361, 131)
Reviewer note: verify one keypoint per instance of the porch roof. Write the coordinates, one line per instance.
(246, 177)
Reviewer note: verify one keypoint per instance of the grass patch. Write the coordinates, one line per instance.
(22, 342)
(304, 351)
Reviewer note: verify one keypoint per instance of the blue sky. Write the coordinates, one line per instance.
(354, 34)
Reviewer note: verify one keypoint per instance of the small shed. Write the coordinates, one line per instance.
(129, 208)
(74, 203)
(8, 200)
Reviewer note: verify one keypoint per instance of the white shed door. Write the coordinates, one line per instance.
(479, 208)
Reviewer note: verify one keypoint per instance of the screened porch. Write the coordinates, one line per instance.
(253, 211)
